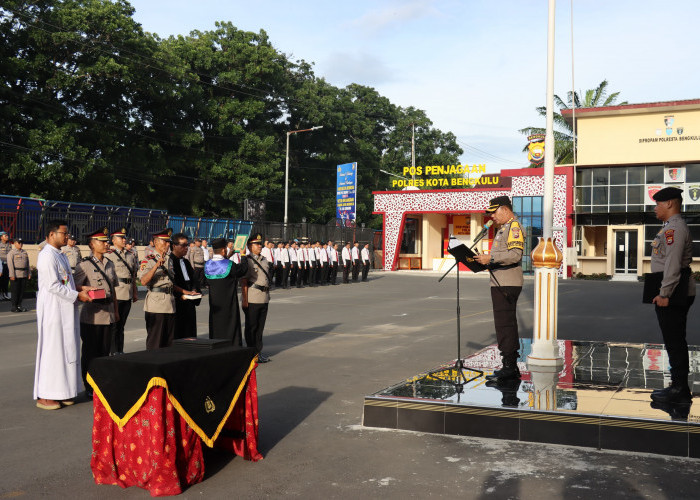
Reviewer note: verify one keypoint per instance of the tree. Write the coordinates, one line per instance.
(563, 133)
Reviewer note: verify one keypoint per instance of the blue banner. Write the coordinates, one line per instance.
(345, 191)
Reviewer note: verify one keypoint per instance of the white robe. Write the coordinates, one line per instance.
(57, 374)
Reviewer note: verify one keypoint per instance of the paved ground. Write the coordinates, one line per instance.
(331, 346)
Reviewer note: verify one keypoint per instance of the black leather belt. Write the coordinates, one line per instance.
(198, 266)
(497, 267)
(260, 287)
(125, 280)
(21, 269)
(162, 289)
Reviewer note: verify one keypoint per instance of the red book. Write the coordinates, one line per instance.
(97, 294)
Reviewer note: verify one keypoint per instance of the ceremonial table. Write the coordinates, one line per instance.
(153, 409)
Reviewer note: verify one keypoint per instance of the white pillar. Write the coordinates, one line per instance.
(546, 259)
(544, 387)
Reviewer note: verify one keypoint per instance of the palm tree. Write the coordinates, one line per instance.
(563, 133)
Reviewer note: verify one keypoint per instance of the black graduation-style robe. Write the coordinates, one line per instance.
(224, 315)
(185, 310)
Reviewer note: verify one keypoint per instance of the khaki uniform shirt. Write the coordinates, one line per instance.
(18, 263)
(73, 254)
(256, 276)
(196, 257)
(125, 272)
(671, 251)
(96, 313)
(160, 298)
(507, 254)
(4, 250)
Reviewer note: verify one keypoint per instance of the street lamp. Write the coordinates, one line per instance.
(286, 174)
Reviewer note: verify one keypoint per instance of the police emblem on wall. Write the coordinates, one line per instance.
(694, 192)
(535, 149)
(679, 130)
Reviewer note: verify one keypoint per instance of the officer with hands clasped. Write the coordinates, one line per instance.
(504, 264)
(672, 253)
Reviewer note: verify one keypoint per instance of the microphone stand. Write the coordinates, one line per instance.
(455, 375)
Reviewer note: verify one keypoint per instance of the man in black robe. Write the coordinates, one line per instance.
(185, 285)
(222, 275)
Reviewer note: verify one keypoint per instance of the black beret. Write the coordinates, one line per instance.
(668, 193)
(499, 201)
(218, 243)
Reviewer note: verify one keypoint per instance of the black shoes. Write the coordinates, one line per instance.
(19, 310)
(508, 372)
(679, 394)
(262, 358)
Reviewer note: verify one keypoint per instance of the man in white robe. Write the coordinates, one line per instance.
(57, 375)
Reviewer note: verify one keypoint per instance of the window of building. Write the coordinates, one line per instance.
(529, 212)
(410, 236)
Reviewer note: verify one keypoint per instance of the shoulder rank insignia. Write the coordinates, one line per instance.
(515, 237)
(669, 236)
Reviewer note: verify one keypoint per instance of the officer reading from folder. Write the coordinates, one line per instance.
(504, 264)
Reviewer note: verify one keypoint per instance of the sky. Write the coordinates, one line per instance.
(478, 68)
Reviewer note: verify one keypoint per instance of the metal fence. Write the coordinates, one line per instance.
(26, 218)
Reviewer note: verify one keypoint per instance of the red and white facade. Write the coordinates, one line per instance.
(395, 206)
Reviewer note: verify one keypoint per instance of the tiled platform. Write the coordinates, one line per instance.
(598, 399)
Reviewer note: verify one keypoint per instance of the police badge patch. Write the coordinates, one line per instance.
(515, 237)
(669, 236)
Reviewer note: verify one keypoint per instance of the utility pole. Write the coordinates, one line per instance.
(413, 152)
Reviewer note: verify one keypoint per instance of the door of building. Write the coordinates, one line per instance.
(626, 253)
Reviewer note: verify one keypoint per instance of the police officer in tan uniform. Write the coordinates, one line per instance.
(504, 264)
(126, 266)
(196, 258)
(255, 290)
(18, 272)
(97, 317)
(159, 308)
(72, 251)
(672, 253)
(5, 247)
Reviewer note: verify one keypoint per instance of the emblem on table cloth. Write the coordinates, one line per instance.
(209, 405)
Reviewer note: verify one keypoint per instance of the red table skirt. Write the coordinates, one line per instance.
(157, 450)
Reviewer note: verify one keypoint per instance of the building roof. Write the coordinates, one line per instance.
(629, 109)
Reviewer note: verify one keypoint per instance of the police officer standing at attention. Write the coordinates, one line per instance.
(19, 273)
(355, 252)
(672, 252)
(72, 251)
(255, 291)
(125, 266)
(159, 308)
(196, 258)
(97, 318)
(347, 262)
(365, 261)
(504, 264)
(5, 248)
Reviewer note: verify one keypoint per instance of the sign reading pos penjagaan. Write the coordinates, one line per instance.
(450, 176)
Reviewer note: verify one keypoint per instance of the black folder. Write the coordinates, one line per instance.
(652, 287)
(464, 255)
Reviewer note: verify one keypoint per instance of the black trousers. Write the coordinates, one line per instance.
(356, 269)
(312, 272)
(505, 301)
(185, 319)
(97, 339)
(672, 321)
(278, 274)
(334, 273)
(255, 316)
(365, 270)
(124, 307)
(5, 278)
(293, 273)
(323, 278)
(346, 271)
(17, 287)
(160, 328)
(286, 268)
(199, 276)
